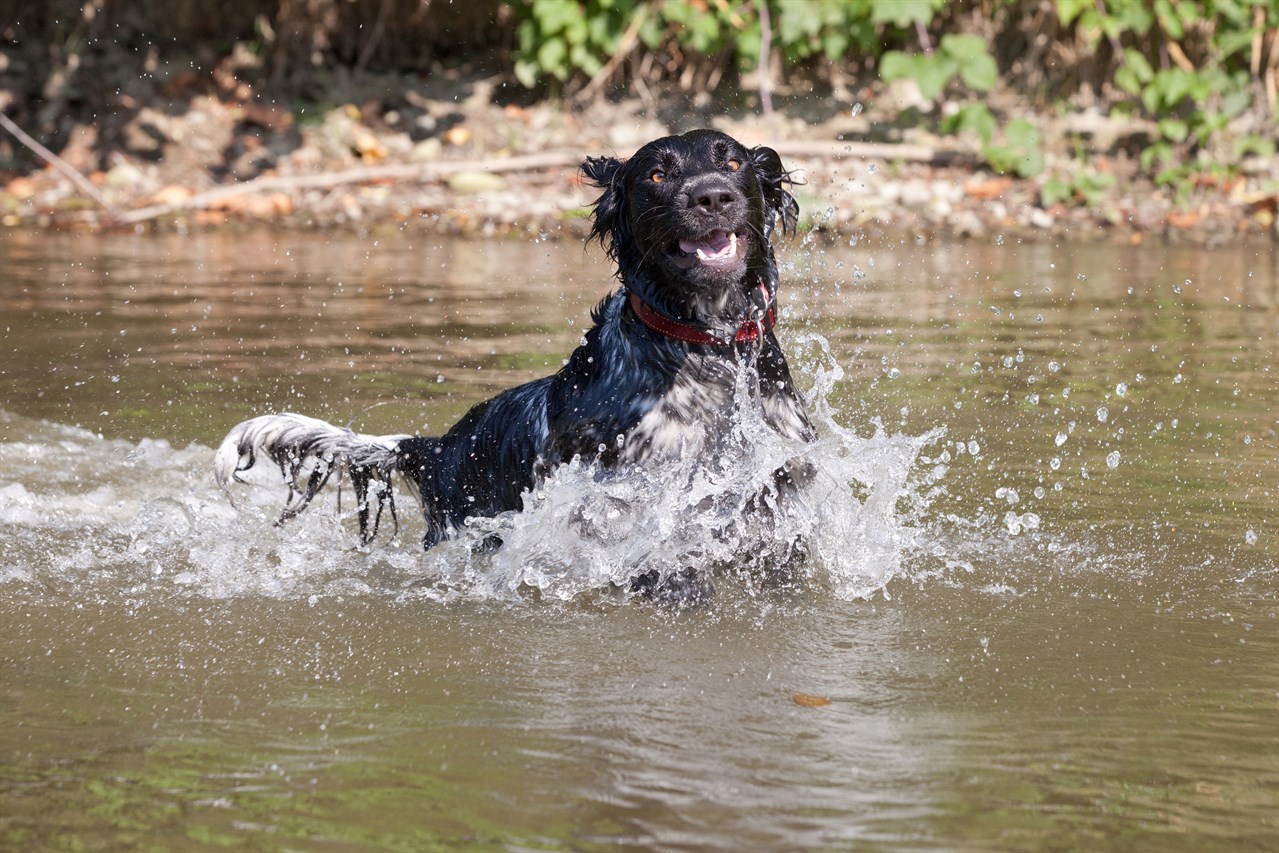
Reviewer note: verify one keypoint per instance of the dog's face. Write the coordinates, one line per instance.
(695, 211)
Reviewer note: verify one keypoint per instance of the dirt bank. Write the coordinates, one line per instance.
(460, 155)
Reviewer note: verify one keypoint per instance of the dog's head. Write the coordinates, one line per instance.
(692, 215)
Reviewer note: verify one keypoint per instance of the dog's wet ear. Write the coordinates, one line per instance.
(610, 208)
(773, 178)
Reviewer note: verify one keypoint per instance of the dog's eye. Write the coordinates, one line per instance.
(658, 176)
(734, 165)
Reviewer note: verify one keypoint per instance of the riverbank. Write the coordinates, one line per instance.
(459, 156)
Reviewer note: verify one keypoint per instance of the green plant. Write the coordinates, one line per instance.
(961, 56)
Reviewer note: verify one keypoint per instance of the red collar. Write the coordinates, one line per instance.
(750, 330)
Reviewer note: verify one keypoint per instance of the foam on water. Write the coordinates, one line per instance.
(77, 508)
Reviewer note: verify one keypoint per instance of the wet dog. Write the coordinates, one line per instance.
(689, 221)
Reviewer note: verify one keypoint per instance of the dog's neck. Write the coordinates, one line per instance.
(721, 313)
(757, 323)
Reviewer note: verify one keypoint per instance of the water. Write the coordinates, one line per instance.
(1023, 645)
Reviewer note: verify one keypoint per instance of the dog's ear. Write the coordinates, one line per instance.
(610, 226)
(773, 177)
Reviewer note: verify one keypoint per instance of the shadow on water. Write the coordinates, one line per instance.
(1044, 611)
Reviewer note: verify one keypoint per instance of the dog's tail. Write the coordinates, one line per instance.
(307, 451)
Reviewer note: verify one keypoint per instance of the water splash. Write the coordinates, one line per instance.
(146, 518)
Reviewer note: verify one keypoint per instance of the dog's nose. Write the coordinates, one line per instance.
(711, 195)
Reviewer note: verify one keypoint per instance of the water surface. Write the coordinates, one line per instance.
(1055, 627)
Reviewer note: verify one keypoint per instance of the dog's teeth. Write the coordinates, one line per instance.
(701, 255)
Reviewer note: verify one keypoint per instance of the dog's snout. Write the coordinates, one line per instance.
(711, 195)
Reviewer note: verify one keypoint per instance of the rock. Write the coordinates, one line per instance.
(1041, 218)
(123, 175)
(475, 182)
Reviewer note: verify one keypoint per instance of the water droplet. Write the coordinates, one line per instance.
(1121, 389)
(1054, 463)
(999, 239)
(1040, 492)
(1112, 459)
(1053, 366)
(974, 448)
(1103, 414)
(1250, 536)
(872, 168)
(857, 109)
(1178, 379)
(1061, 439)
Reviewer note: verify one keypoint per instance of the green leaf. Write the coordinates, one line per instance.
(1174, 129)
(964, 48)
(1236, 102)
(1126, 79)
(932, 73)
(974, 117)
(979, 73)
(896, 65)
(1068, 10)
(1055, 189)
(526, 73)
(1140, 66)
(551, 56)
(901, 13)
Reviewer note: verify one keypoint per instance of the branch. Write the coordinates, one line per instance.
(61, 165)
(428, 172)
(624, 47)
(865, 151)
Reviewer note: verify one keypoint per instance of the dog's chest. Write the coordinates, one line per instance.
(695, 408)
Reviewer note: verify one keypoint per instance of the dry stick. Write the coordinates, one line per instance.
(430, 171)
(861, 151)
(624, 47)
(61, 165)
(765, 65)
(550, 159)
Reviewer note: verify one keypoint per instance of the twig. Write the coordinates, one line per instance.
(624, 47)
(427, 172)
(61, 165)
(765, 65)
(863, 151)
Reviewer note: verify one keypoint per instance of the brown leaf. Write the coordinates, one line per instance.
(986, 190)
(808, 700)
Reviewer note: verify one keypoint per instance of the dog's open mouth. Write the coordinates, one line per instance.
(718, 248)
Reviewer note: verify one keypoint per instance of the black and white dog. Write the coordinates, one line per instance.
(689, 221)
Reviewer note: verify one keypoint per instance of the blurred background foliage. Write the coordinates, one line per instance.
(1204, 74)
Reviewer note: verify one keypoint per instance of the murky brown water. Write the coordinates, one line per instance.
(1077, 646)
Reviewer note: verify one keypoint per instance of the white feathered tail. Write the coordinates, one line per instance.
(310, 450)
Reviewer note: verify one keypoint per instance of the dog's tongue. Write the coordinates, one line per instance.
(716, 246)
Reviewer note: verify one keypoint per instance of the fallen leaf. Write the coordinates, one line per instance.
(808, 700)
(457, 136)
(986, 190)
(21, 188)
(172, 194)
(475, 182)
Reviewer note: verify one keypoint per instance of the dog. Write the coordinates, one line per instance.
(689, 222)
